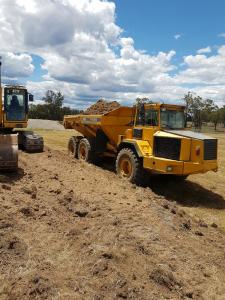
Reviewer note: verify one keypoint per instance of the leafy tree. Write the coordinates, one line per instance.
(199, 110)
(215, 117)
(188, 107)
(143, 100)
(52, 109)
(222, 111)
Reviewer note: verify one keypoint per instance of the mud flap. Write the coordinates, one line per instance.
(8, 152)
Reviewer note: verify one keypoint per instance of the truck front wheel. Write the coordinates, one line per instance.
(129, 166)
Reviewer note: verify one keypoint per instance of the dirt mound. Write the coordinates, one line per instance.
(101, 107)
(71, 230)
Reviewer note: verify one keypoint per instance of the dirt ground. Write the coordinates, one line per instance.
(72, 230)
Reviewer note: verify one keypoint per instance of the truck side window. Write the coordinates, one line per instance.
(151, 117)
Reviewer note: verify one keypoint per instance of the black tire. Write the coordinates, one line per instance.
(85, 151)
(127, 159)
(72, 147)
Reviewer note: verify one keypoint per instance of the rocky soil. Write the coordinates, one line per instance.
(72, 230)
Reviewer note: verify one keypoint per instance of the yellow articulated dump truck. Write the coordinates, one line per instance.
(147, 138)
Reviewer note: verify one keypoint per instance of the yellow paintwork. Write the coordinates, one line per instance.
(113, 124)
(200, 167)
(18, 124)
(185, 149)
(119, 125)
(158, 165)
(142, 146)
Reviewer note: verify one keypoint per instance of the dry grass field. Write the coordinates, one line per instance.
(213, 206)
(56, 139)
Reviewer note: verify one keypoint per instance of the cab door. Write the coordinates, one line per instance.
(15, 104)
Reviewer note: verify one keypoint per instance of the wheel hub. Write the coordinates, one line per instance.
(82, 152)
(125, 167)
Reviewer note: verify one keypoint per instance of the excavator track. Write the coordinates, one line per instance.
(30, 141)
(8, 152)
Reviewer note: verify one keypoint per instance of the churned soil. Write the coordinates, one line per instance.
(72, 230)
(101, 107)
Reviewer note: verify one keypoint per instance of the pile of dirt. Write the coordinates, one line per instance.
(71, 230)
(101, 107)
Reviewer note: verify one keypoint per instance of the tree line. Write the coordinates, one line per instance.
(52, 108)
(199, 111)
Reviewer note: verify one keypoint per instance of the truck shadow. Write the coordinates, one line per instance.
(186, 193)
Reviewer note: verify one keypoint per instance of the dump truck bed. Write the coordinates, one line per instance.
(112, 124)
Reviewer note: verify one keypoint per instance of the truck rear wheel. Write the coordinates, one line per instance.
(129, 166)
(85, 151)
(72, 147)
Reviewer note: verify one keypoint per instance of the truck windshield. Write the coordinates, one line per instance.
(172, 119)
(151, 117)
(147, 117)
(15, 107)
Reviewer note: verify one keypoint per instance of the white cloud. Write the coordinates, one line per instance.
(177, 36)
(87, 56)
(16, 65)
(204, 50)
(201, 69)
(53, 25)
(221, 35)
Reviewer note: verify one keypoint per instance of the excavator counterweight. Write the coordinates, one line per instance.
(8, 152)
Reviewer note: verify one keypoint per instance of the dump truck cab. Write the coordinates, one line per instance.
(146, 138)
(166, 147)
(162, 116)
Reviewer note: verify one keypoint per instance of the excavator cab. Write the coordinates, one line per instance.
(15, 106)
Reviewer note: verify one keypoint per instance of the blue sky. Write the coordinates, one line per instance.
(118, 50)
(38, 72)
(153, 24)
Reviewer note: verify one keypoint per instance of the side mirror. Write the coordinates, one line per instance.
(31, 98)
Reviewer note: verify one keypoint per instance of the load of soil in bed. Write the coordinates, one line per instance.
(101, 107)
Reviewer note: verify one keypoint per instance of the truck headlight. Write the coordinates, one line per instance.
(169, 168)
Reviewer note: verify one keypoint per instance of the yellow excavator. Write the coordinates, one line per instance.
(13, 117)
